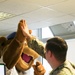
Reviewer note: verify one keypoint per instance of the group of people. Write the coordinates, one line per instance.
(55, 53)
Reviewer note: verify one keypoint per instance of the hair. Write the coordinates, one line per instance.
(58, 47)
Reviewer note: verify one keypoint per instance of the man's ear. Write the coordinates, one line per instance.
(49, 53)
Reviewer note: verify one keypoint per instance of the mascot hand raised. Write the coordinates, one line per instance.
(21, 48)
(17, 52)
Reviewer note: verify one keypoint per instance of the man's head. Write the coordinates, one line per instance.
(58, 47)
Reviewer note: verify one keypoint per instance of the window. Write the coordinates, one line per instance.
(46, 32)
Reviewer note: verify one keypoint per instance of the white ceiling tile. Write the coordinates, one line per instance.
(35, 16)
(67, 7)
(17, 7)
(73, 15)
(62, 19)
(2, 1)
(39, 25)
(44, 2)
(41, 14)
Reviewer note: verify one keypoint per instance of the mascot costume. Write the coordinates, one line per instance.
(20, 49)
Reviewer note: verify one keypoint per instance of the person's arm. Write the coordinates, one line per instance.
(37, 46)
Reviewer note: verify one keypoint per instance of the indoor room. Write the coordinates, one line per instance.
(46, 19)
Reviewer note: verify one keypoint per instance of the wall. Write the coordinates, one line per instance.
(71, 50)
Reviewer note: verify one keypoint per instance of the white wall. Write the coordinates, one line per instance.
(71, 50)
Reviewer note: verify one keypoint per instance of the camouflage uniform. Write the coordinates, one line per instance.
(66, 68)
(37, 46)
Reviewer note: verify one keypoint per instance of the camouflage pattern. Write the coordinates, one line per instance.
(67, 68)
(37, 46)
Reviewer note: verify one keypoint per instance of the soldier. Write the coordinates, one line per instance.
(56, 51)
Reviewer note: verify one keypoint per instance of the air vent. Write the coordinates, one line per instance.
(65, 30)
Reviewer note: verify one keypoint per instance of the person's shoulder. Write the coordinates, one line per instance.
(61, 72)
(66, 71)
(68, 68)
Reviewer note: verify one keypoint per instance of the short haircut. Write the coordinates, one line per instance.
(58, 47)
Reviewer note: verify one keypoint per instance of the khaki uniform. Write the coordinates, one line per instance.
(67, 68)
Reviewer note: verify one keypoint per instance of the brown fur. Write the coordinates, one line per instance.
(13, 49)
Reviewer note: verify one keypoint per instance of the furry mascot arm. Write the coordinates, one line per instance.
(38, 69)
(15, 49)
(12, 52)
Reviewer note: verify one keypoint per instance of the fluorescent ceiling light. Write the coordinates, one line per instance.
(4, 15)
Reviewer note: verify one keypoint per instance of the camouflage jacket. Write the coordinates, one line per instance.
(37, 46)
(67, 68)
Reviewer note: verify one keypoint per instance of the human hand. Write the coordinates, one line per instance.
(39, 69)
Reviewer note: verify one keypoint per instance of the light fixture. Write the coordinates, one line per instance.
(4, 15)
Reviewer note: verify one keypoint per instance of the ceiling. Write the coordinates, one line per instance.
(37, 13)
